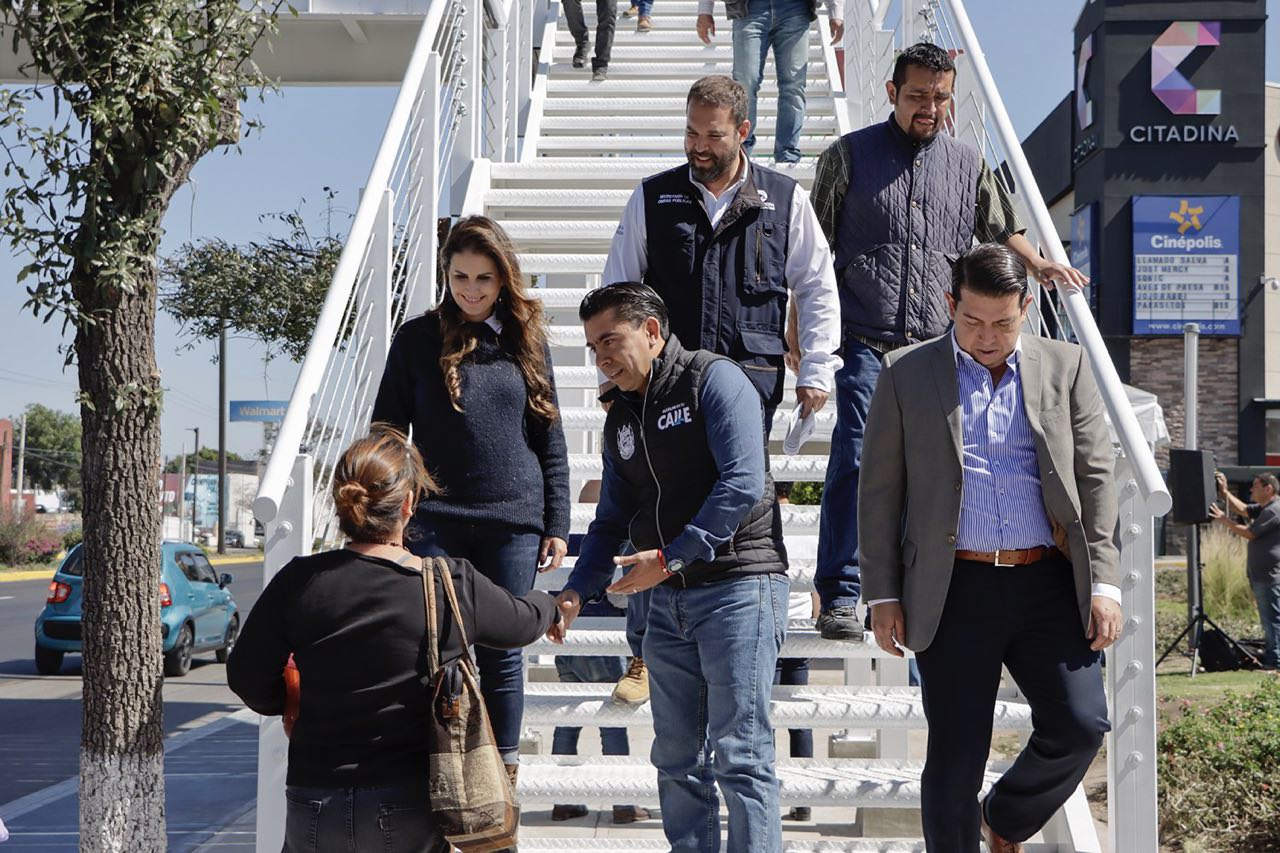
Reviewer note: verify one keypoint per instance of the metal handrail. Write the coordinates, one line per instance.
(1150, 484)
(289, 439)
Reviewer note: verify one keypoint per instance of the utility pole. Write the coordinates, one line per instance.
(195, 483)
(182, 489)
(22, 462)
(222, 437)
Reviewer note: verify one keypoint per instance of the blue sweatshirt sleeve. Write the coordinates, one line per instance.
(734, 420)
(594, 569)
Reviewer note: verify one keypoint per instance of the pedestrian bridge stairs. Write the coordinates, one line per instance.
(587, 146)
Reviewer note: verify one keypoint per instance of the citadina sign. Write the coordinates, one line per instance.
(1186, 264)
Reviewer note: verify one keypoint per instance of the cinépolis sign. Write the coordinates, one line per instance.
(1178, 95)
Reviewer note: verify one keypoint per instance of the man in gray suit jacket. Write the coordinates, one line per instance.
(986, 519)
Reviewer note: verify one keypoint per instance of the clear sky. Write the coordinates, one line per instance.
(327, 137)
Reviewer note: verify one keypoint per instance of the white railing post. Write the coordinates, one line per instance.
(513, 73)
(381, 288)
(469, 133)
(1131, 679)
(288, 535)
(423, 278)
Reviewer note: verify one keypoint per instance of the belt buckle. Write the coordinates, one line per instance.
(1003, 565)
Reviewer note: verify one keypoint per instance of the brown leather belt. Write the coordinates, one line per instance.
(1024, 557)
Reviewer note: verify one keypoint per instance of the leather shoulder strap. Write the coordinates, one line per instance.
(446, 579)
(433, 627)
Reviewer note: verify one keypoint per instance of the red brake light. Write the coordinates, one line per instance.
(166, 600)
(58, 592)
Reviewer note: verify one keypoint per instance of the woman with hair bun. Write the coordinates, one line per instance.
(473, 379)
(354, 621)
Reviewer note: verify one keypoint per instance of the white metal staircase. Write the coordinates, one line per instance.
(554, 157)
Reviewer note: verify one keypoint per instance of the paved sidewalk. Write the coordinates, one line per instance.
(210, 780)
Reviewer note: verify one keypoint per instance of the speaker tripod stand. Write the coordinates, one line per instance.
(1195, 624)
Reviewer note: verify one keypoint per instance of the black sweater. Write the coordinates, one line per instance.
(496, 460)
(356, 627)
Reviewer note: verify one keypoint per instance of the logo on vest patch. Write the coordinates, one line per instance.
(674, 198)
(674, 416)
(626, 441)
(765, 204)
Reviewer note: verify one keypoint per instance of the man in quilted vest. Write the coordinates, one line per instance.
(899, 202)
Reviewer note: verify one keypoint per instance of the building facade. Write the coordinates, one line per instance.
(1161, 166)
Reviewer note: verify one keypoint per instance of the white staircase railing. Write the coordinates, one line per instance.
(461, 102)
(981, 119)
(457, 129)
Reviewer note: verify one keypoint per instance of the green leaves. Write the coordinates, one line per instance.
(270, 290)
(140, 92)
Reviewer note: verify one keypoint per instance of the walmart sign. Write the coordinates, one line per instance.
(268, 411)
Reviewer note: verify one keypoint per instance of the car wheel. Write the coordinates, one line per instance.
(229, 642)
(177, 662)
(48, 661)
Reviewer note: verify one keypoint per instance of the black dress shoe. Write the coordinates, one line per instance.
(568, 812)
(580, 55)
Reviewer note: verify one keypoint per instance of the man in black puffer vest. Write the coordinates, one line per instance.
(725, 242)
(685, 482)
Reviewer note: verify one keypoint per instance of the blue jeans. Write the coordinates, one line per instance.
(1267, 594)
(335, 820)
(796, 671)
(644, 8)
(784, 26)
(509, 558)
(637, 620)
(712, 650)
(589, 669)
(836, 579)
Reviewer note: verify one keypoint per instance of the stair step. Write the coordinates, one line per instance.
(813, 706)
(796, 520)
(799, 644)
(541, 264)
(799, 572)
(551, 146)
(697, 52)
(669, 31)
(601, 781)
(567, 81)
(683, 73)
(602, 844)
(615, 172)
(673, 124)
(815, 106)
(561, 235)
(508, 205)
(786, 469)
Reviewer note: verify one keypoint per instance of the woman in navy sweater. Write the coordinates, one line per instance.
(473, 379)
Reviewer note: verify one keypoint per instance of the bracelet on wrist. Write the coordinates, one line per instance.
(662, 561)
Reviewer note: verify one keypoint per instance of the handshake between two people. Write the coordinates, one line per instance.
(647, 571)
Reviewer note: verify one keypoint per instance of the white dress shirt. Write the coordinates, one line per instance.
(808, 271)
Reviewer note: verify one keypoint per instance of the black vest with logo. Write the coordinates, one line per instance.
(906, 218)
(725, 288)
(658, 445)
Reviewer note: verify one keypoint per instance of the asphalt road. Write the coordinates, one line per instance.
(40, 727)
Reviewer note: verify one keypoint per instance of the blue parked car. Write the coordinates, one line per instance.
(197, 612)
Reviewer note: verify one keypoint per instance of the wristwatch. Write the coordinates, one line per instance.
(675, 566)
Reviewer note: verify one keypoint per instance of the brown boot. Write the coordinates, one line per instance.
(513, 770)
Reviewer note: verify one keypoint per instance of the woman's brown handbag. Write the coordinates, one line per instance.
(471, 798)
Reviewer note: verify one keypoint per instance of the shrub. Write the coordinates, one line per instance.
(1226, 587)
(1219, 771)
(72, 538)
(27, 541)
(806, 494)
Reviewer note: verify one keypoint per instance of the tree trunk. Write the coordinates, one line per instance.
(122, 743)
